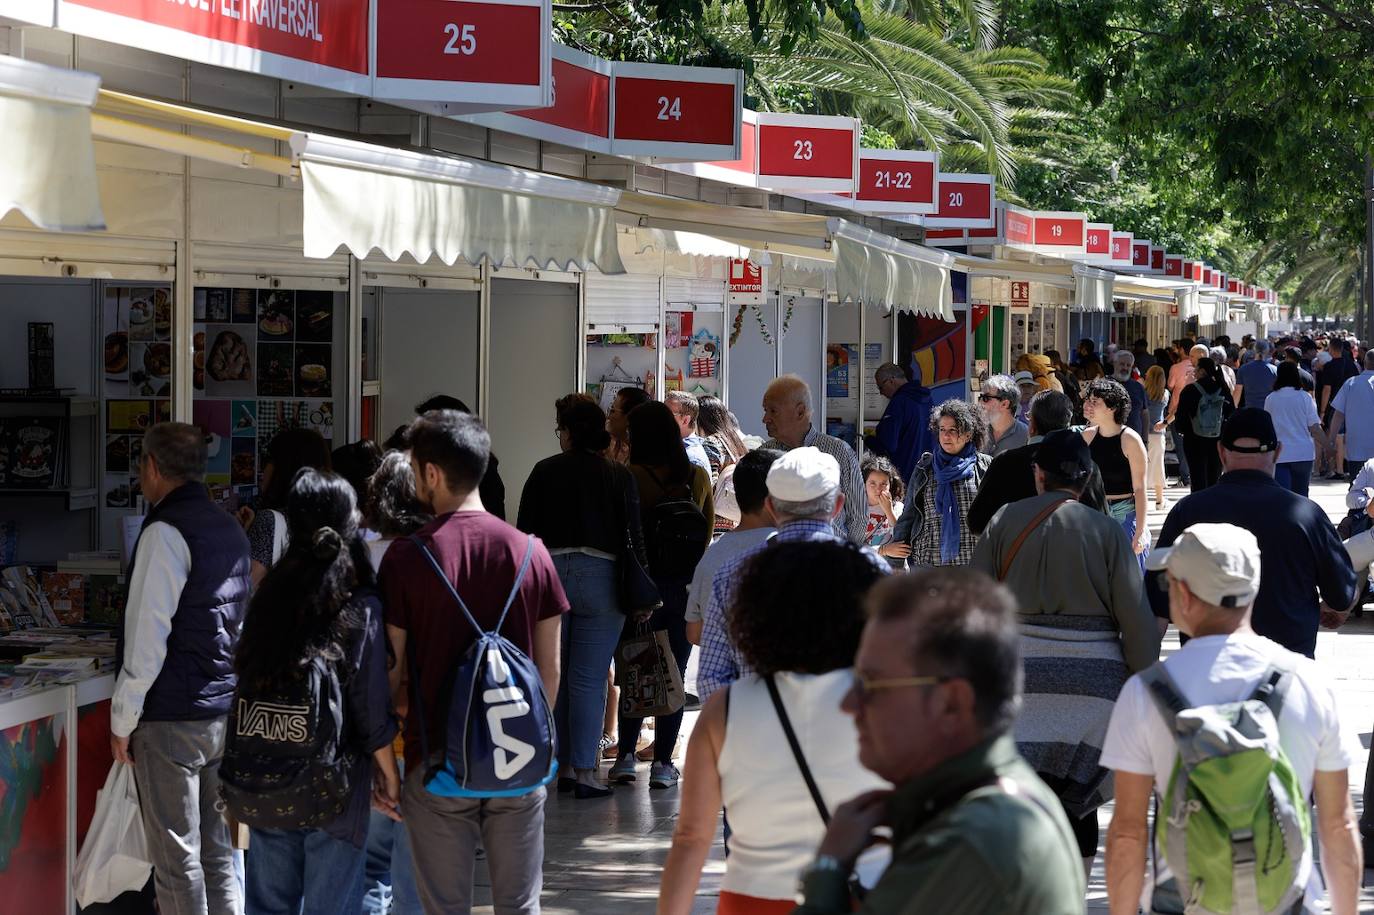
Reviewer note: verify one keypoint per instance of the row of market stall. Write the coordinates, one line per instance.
(222, 214)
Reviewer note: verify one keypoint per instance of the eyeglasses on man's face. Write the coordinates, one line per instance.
(864, 688)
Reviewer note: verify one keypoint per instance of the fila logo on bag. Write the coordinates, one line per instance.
(511, 754)
(271, 721)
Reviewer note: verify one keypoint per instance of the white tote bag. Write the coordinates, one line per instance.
(114, 857)
(1361, 550)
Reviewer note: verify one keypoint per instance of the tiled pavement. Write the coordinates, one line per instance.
(605, 856)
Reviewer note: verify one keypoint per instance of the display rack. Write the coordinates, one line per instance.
(72, 450)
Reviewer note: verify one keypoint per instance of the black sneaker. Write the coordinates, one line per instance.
(693, 703)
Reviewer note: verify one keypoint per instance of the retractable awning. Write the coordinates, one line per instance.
(867, 266)
(1093, 288)
(877, 269)
(365, 197)
(49, 169)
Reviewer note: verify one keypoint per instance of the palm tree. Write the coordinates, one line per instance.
(926, 73)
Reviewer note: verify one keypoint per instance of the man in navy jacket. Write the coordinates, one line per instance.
(903, 433)
(188, 593)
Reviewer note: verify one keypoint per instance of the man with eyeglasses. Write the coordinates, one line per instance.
(683, 405)
(1001, 402)
(973, 830)
(1086, 624)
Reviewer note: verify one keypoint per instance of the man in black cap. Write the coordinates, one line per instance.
(1302, 555)
(1085, 623)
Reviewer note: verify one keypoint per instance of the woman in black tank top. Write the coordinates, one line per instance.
(1120, 457)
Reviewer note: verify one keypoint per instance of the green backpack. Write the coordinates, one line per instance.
(1234, 824)
(1211, 409)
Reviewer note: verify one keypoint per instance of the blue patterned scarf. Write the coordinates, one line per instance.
(949, 470)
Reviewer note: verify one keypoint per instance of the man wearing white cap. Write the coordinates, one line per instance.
(1213, 573)
(804, 498)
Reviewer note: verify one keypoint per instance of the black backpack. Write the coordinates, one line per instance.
(286, 763)
(677, 533)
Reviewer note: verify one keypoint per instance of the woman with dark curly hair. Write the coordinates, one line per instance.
(935, 518)
(392, 510)
(796, 619)
(585, 508)
(1120, 456)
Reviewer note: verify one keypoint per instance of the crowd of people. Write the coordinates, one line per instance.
(920, 675)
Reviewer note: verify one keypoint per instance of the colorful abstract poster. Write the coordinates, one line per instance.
(33, 815)
(935, 351)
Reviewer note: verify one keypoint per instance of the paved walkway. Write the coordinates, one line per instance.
(605, 856)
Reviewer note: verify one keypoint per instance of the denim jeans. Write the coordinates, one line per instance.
(591, 631)
(388, 875)
(1179, 436)
(176, 767)
(303, 872)
(1294, 476)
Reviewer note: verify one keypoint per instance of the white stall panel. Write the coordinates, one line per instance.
(533, 362)
(429, 345)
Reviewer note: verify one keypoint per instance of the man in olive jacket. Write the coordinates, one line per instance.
(936, 687)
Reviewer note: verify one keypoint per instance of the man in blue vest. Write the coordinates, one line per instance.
(188, 592)
(903, 433)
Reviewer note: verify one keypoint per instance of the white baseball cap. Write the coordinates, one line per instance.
(803, 474)
(1219, 562)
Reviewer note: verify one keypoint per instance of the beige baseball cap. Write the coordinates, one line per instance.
(803, 474)
(1219, 562)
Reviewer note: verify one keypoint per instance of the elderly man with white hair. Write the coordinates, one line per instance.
(787, 415)
(1123, 365)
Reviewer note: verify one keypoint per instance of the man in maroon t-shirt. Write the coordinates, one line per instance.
(481, 556)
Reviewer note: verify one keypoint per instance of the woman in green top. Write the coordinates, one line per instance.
(658, 462)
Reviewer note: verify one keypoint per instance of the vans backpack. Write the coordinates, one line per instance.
(677, 534)
(499, 738)
(1234, 823)
(286, 764)
(1210, 407)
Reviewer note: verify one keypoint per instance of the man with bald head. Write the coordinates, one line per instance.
(1303, 557)
(787, 415)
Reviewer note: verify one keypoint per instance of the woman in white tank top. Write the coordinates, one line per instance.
(796, 621)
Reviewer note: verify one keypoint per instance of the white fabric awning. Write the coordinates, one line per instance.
(1092, 288)
(364, 198)
(1189, 302)
(49, 169)
(877, 269)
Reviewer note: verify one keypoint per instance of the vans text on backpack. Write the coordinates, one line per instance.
(677, 534)
(499, 738)
(286, 761)
(1210, 407)
(1234, 824)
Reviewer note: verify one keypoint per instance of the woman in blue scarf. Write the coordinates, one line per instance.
(944, 486)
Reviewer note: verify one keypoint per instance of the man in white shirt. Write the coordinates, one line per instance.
(1213, 573)
(188, 593)
(755, 527)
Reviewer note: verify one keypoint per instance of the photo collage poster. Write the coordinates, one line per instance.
(263, 361)
(136, 387)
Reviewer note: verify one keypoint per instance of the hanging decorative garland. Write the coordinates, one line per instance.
(787, 316)
(738, 325)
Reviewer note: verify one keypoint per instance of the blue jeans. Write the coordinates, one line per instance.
(591, 631)
(388, 876)
(303, 872)
(1124, 513)
(1178, 436)
(1294, 476)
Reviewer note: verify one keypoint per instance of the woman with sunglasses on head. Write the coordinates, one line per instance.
(797, 618)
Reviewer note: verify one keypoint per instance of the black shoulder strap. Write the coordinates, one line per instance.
(1273, 687)
(1165, 693)
(796, 749)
